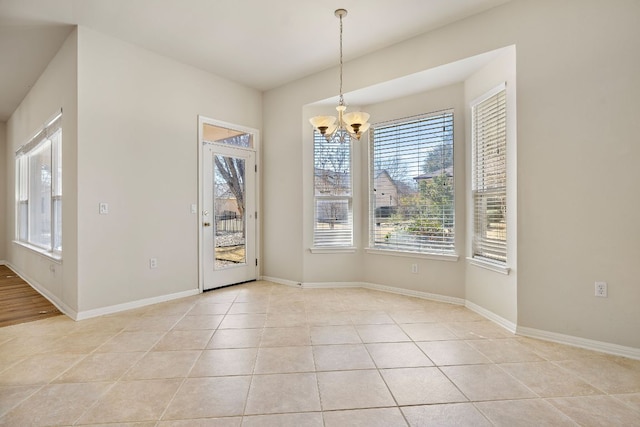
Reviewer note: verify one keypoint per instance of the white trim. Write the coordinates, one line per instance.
(416, 294)
(488, 265)
(600, 346)
(604, 347)
(202, 120)
(281, 281)
(502, 86)
(87, 314)
(3, 262)
(346, 197)
(507, 324)
(49, 255)
(42, 133)
(200, 203)
(333, 250)
(42, 290)
(366, 285)
(330, 285)
(407, 254)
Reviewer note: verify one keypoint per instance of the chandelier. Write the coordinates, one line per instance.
(353, 124)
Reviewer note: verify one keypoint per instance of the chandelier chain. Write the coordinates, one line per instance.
(341, 96)
(346, 125)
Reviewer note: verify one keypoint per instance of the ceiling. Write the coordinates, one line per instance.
(258, 43)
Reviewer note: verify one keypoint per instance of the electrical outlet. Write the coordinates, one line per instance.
(153, 262)
(414, 268)
(601, 289)
(103, 208)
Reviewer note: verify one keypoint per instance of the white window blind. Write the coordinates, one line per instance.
(489, 184)
(333, 225)
(39, 189)
(412, 182)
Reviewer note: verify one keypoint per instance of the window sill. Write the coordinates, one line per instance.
(488, 265)
(437, 257)
(335, 250)
(55, 257)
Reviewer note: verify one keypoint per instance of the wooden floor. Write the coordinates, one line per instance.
(19, 302)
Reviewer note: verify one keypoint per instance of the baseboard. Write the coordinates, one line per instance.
(490, 315)
(3, 262)
(384, 288)
(87, 314)
(329, 285)
(42, 290)
(281, 281)
(412, 293)
(603, 347)
(615, 349)
(366, 285)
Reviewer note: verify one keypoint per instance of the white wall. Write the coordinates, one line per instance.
(578, 94)
(55, 89)
(434, 276)
(138, 152)
(4, 225)
(577, 97)
(488, 289)
(285, 139)
(578, 127)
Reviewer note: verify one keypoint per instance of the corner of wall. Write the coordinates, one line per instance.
(55, 90)
(5, 226)
(489, 293)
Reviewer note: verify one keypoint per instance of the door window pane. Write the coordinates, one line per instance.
(229, 207)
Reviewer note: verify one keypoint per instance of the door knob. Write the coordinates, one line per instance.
(207, 224)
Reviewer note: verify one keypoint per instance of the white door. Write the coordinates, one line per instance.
(228, 217)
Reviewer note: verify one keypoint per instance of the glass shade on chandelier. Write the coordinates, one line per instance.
(353, 124)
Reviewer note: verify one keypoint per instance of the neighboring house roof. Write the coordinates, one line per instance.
(327, 180)
(401, 187)
(430, 175)
(383, 172)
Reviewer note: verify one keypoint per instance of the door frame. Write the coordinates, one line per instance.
(202, 120)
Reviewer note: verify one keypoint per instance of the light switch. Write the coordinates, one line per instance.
(194, 208)
(104, 208)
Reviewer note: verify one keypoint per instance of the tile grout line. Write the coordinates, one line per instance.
(355, 310)
(186, 377)
(119, 379)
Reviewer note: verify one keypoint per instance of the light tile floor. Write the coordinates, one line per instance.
(262, 354)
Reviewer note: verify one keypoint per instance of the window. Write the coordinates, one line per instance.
(333, 225)
(412, 197)
(39, 189)
(489, 179)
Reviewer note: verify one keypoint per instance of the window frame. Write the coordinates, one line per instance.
(438, 250)
(47, 141)
(478, 237)
(321, 241)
